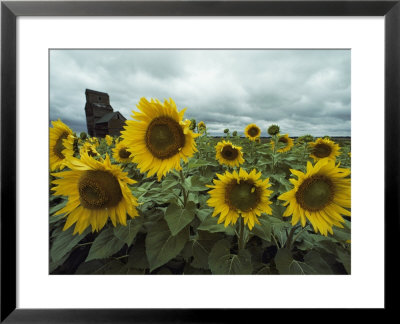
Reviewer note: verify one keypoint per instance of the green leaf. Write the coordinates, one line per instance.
(203, 213)
(314, 260)
(177, 217)
(100, 267)
(201, 247)
(169, 183)
(197, 183)
(195, 163)
(283, 260)
(162, 246)
(105, 245)
(65, 242)
(221, 261)
(263, 231)
(210, 224)
(128, 233)
(137, 256)
(57, 207)
(343, 256)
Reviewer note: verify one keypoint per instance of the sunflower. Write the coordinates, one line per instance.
(96, 190)
(283, 139)
(240, 194)
(229, 154)
(94, 141)
(320, 195)
(120, 153)
(324, 148)
(89, 149)
(201, 127)
(109, 140)
(159, 138)
(252, 131)
(61, 145)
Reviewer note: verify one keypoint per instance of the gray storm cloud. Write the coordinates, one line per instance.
(304, 91)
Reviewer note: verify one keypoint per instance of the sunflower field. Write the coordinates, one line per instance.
(166, 197)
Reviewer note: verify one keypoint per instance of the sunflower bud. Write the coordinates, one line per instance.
(273, 130)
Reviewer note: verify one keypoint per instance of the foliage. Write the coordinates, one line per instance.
(175, 232)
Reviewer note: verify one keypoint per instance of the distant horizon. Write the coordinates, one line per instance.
(303, 91)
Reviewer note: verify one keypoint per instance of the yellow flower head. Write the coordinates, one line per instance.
(229, 154)
(159, 138)
(109, 140)
(319, 195)
(286, 141)
(201, 127)
(240, 194)
(121, 153)
(61, 145)
(252, 132)
(89, 149)
(96, 191)
(324, 148)
(94, 141)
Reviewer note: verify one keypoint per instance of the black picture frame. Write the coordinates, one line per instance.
(10, 10)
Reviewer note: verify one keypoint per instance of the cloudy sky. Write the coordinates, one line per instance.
(303, 91)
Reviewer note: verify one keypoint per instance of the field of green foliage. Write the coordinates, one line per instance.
(175, 232)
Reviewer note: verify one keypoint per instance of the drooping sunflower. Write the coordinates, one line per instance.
(109, 140)
(240, 194)
(319, 195)
(60, 145)
(96, 191)
(159, 138)
(89, 149)
(229, 154)
(252, 132)
(120, 153)
(286, 140)
(324, 148)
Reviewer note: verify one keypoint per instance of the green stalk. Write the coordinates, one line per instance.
(290, 236)
(241, 235)
(184, 192)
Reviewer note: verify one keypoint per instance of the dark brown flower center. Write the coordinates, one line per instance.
(59, 147)
(315, 193)
(123, 153)
(322, 150)
(283, 140)
(99, 189)
(243, 196)
(229, 153)
(164, 137)
(254, 131)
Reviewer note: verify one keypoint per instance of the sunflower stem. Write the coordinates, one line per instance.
(298, 234)
(241, 235)
(276, 242)
(275, 138)
(184, 192)
(290, 236)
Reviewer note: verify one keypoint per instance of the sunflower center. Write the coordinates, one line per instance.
(283, 140)
(322, 150)
(243, 195)
(123, 153)
(253, 131)
(315, 193)
(98, 190)
(164, 137)
(229, 153)
(59, 147)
